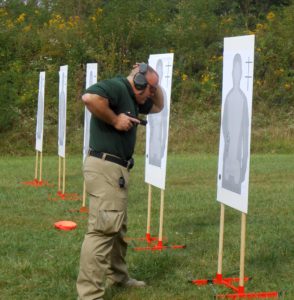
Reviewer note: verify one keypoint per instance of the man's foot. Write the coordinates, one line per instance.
(131, 282)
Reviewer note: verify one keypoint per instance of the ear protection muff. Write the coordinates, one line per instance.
(140, 81)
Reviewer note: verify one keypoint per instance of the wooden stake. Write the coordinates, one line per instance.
(59, 173)
(63, 177)
(221, 239)
(149, 209)
(242, 250)
(161, 216)
(84, 195)
(36, 164)
(41, 166)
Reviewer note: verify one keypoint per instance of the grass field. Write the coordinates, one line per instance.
(40, 262)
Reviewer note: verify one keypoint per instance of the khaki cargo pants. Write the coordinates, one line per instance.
(103, 251)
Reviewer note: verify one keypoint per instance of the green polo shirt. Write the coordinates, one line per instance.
(104, 137)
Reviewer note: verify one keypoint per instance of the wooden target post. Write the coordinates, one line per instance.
(40, 181)
(219, 277)
(37, 181)
(61, 194)
(239, 289)
(83, 208)
(61, 177)
(149, 239)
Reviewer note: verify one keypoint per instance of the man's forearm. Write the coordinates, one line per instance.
(157, 99)
(99, 107)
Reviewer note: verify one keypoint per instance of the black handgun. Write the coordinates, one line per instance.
(142, 122)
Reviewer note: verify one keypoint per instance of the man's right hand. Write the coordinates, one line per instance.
(124, 123)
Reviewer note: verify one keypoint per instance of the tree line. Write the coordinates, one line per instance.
(41, 35)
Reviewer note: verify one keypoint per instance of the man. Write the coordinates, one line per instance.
(106, 173)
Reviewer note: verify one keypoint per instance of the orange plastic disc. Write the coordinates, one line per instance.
(65, 225)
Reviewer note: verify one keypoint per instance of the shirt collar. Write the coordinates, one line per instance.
(129, 87)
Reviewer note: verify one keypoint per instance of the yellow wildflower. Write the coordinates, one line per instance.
(21, 18)
(259, 26)
(184, 77)
(279, 72)
(73, 21)
(61, 25)
(93, 18)
(99, 11)
(27, 28)
(9, 24)
(270, 16)
(3, 12)
(205, 78)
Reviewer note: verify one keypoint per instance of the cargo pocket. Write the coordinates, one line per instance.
(109, 221)
(93, 176)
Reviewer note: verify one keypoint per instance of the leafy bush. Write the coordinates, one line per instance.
(42, 35)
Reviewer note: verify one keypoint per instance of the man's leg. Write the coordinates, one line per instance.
(93, 264)
(118, 271)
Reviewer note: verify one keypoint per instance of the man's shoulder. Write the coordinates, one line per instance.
(107, 87)
(117, 81)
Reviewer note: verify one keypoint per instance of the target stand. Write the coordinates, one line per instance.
(38, 182)
(148, 238)
(83, 208)
(238, 291)
(61, 195)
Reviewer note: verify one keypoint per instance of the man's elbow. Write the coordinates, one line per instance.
(160, 106)
(86, 99)
(156, 109)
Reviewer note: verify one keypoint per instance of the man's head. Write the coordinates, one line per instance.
(144, 81)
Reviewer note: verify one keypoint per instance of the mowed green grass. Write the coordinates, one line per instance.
(39, 262)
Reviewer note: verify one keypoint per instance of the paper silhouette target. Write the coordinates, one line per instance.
(40, 113)
(158, 124)
(62, 110)
(234, 150)
(91, 78)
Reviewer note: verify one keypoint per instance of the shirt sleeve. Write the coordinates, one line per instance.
(106, 89)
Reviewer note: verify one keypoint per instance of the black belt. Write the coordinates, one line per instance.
(117, 160)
